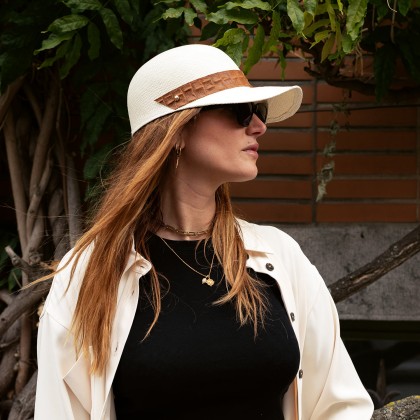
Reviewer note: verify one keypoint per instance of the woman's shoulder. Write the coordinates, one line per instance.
(270, 237)
(283, 249)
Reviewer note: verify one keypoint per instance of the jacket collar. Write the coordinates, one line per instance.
(253, 238)
(251, 235)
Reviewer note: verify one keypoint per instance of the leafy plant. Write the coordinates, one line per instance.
(65, 66)
(327, 31)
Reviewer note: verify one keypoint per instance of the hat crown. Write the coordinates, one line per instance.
(195, 76)
(166, 72)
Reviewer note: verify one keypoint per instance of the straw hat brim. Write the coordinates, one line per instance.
(283, 101)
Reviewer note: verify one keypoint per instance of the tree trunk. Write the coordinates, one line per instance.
(405, 409)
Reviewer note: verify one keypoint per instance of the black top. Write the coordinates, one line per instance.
(198, 362)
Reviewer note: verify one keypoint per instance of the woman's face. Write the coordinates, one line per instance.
(216, 149)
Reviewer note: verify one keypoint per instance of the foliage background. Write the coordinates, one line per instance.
(64, 70)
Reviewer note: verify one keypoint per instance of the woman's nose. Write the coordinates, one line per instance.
(256, 126)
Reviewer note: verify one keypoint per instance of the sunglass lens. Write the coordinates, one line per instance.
(243, 113)
(261, 111)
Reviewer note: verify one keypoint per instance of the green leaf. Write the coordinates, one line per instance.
(255, 52)
(173, 13)
(189, 16)
(408, 52)
(245, 44)
(381, 9)
(295, 15)
(283, 63)
(321, 9)
(82, 5)
(340, 6)
(199, 5)
(14, 63)
(331, 14)
(230, 37)
(245, 17)
(316, 25)
(209, 31)
(404, 6)
(248, 4)
(320, 36)
(112, 27)
(96, 162)
(347, 43)
(328, 46)
(90, 100)
(5, 240)
(68, 23)
(60, 53)
(96, 124)
(124, 9)
(94, 41)
(13, 280)
(338, 38)
(235, 52)
(71, 57)
(156, 2)
(310, 6)
(135, 4)
(384, 69)
(356, 13)
(274, 33)
(54, 40)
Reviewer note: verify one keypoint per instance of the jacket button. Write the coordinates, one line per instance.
(269, 267)
(300, 373)
(292, 316)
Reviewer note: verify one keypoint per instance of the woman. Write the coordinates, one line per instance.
(170, 307)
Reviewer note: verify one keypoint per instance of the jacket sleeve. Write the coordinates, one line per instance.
(63, 385)
(331, 388)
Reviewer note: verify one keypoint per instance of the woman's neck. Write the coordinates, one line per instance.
(186, 208)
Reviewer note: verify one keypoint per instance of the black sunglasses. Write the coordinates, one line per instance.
(244, 112)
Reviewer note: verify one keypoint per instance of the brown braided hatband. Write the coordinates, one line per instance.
(202, 87)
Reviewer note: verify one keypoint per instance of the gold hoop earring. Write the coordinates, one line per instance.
(178, 151)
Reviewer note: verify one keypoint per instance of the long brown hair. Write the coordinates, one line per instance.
(130, 208)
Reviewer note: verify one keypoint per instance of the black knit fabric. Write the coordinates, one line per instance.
(198, 362)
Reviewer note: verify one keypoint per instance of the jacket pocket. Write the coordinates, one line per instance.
(78, 380)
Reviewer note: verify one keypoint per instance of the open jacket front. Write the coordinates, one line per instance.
(326, 387)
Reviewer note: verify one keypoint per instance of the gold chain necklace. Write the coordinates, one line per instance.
(205, 279)
(187, 232)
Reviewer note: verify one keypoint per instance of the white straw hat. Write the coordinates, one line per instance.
(198, 75)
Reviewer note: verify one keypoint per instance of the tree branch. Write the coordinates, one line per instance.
(394, 256)
(58, 222)
(73, 200)
(8, 96)
(8, 361)
(34, 103)
(27, 298)
(23, 405)
(24, 301)
(36, 197)
(48, 123)
(18, 191)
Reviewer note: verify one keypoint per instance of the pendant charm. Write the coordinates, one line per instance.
(208, 281)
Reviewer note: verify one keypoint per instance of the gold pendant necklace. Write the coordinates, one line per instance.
(206, 279)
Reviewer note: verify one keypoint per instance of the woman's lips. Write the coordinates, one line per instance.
(252, 150)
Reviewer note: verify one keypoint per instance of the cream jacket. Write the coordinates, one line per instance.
(326, 387)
